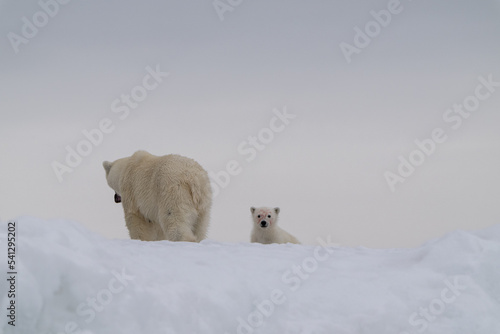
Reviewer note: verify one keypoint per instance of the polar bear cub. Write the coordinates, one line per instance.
(266, 229)
(163, 197)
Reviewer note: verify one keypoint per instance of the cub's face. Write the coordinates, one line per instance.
(264, 217)
(113, 173)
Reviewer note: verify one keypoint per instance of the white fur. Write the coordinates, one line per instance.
(272, 233)
(164, 198)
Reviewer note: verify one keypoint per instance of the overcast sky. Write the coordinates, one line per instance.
(316, 103)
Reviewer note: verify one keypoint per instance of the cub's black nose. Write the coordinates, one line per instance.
(263, 223)
(118, 199)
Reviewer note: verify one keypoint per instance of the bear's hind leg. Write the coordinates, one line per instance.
(201, 225)
(177, 226)
(139, 228)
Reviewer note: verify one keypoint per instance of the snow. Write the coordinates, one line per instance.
(71, 280)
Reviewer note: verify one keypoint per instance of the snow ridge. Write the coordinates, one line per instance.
(74, 281)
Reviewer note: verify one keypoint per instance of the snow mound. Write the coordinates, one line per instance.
(70, 280)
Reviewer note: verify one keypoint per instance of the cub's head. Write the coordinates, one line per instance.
(265, 217)
(113, 174)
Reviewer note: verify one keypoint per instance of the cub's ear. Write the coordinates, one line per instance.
(252, 209)
(107, 166)
(277, 210)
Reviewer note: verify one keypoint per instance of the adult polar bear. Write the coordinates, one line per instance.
(164, 197)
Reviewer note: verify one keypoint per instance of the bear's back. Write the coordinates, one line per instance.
(149, 180)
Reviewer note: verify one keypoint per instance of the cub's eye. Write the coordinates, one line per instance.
(258, 216)
(268, 216)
